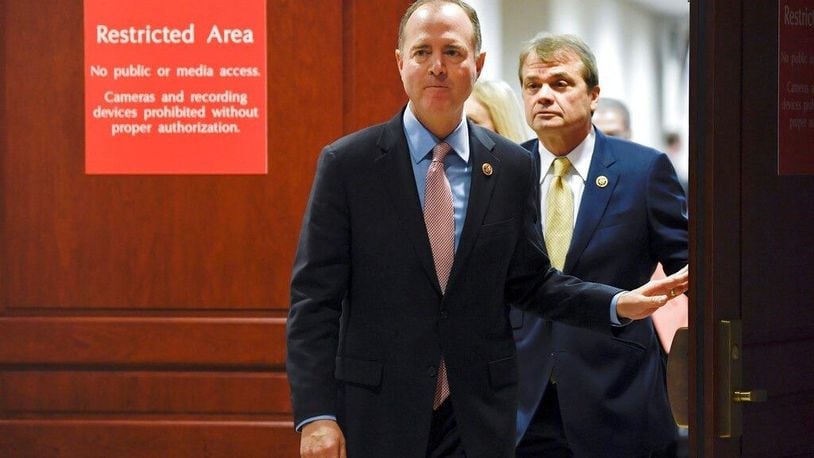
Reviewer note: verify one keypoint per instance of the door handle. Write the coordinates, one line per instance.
(750, 396)
(731, 395)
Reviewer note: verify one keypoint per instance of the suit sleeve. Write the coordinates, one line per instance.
(533, 285)
(667, 215)
(319, 283)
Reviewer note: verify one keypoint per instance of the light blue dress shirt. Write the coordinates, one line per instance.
(456, 164)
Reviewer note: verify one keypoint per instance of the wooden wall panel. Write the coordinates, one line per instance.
(143, 392)
(144, 316)
(364, 49)
(128, 341)
(106, 438)
(155, 242)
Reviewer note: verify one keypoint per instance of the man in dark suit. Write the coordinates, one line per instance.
(392, 352)
(583, 393)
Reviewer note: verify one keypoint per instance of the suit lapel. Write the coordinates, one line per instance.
(396, 176)
(595, 200)
(531, 146)
(480, 193)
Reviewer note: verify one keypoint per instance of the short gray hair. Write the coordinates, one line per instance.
(552, 48)
(470, 12)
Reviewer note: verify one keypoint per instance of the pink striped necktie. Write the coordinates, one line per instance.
(439, 218)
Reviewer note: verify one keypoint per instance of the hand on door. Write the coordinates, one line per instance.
(646, 299)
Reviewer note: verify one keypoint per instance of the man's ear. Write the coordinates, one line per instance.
(479, 62)
(399, 61)
(594, 97)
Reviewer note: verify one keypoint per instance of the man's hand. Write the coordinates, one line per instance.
(646, 299)
(322, 439)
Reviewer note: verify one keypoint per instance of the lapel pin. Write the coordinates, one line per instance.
(602, 181)
(487, 169)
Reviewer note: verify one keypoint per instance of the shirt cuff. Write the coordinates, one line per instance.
(614, 317)
(313, 419)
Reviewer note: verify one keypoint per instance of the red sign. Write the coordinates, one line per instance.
(795, 91)
(175, 87)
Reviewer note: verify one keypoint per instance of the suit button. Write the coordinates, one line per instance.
(432, 371)
(444, 314)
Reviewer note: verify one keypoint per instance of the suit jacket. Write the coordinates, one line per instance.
(368, 323)
(611, 388)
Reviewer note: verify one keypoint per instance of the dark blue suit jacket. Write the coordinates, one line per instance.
(368, 323)
(611, 389)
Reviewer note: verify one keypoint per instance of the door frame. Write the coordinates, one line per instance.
(714, 207)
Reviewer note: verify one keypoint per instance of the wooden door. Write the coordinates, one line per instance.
(752, 242)
(144, 316)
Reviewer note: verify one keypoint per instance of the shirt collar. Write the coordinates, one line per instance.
(421, 141)
(580, 156)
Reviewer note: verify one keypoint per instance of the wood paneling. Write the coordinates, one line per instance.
(143, 316)
(751, 239)
(143, 392)
(155, 242)
(712, 240)
(777, 262)
(362, 48)
(131, 341)
(105, 438)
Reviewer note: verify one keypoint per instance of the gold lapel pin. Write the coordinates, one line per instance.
(602, 181)
(487, 169)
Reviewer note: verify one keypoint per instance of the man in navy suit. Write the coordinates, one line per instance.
(371, 319)
(582, 393)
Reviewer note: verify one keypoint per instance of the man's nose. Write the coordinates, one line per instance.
(437, 66)
(545, 94)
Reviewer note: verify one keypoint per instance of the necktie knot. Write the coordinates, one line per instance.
(561, 166)
(440, 151)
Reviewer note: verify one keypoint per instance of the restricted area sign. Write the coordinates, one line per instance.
(795, 126)
(175, 87)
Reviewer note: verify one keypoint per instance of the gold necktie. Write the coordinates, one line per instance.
(559, 218)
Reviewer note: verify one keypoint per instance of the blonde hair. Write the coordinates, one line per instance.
(501, 102)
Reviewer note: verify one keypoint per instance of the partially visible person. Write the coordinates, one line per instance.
(418, 235)
(671, 317)
(584, 394)
(674, 150)
(612, 118)
(494, 105)
(672, 142)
